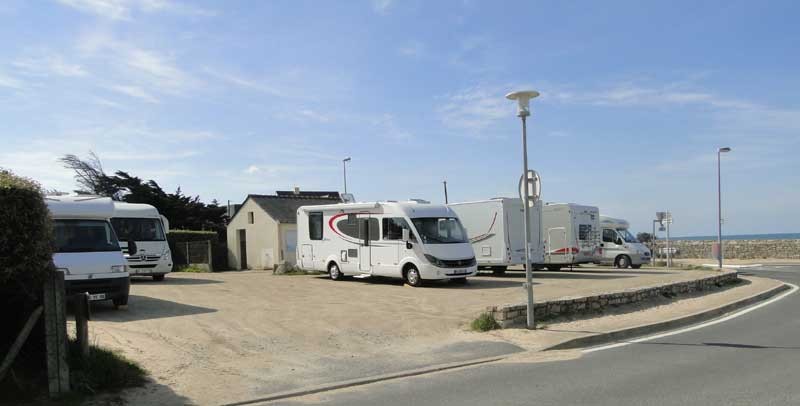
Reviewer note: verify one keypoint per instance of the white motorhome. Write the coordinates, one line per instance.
(143, 224)
(87, 249)
(571, 234)
(619, 247)
(496, 230)
(411, 240)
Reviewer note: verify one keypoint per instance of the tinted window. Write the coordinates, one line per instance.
(609, 235)
(584, 232)
(138, 229)
(370, 225)
(440, 230)
(315, 226)
(84, 236)
(348, 227)
(393, 228)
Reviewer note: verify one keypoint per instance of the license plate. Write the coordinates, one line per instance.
(97, 296)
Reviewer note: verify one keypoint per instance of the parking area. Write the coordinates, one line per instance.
(222, 337)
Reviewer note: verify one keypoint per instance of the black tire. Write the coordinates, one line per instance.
(499, 270)
(536, 267)
(636, 266)
(334, 272)
(159, 277)
(553, 268)
(623, 262)
(412, 277)
(459, 281)
(120, 301)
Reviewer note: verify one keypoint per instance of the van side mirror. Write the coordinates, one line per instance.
(619, 241)
(132, 248)
(407, 238)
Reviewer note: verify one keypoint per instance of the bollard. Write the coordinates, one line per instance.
(82, 317)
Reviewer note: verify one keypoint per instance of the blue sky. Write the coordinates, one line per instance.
(230, 98)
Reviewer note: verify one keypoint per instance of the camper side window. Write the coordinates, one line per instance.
(393, 228)
(609, 235)
(315, 226)
(584, 232)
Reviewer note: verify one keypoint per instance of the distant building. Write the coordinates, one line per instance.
(262, 233)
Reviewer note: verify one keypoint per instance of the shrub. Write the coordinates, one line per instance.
(485, 322)
(102, 370)
(26, 236)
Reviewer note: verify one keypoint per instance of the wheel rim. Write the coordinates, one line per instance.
(623, 262)
(413, 277)
(334, 272)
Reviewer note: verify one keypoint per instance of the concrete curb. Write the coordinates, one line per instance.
(672, 324)
(571, 344)
(364, 381)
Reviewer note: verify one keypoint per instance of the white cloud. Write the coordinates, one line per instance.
(476, 109)
(134, 91)
(244, 82)
(382, 6)
(48, 64)
(122, 9)
(10, 82)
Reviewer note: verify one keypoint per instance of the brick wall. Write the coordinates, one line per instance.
(737, 249)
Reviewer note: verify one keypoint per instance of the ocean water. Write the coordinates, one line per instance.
(779, 236)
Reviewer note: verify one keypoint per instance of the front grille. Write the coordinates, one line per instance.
(140, 258)
(458, 263)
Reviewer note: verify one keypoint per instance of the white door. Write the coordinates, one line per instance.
(367, 234)
(557, 247)
(386, 252)
(306, 258)
(290, 246)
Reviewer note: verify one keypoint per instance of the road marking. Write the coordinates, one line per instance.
(793, 289)
(733, 266)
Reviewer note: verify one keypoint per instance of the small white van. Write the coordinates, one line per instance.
(143, 224)
(619, 247)
(571, 234)
(410, 240)
(87, 249)
(496, 230)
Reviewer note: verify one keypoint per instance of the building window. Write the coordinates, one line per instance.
(315, 226)
(251, 219)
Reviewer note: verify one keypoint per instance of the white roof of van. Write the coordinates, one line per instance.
(135, 210)
(410, 208)
(80, 207)
(613, 222)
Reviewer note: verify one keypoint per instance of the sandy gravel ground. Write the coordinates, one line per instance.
(224, 337)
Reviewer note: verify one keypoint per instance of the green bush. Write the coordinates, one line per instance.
(485, 322)
(26, 236)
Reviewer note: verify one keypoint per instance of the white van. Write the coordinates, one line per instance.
(496, 229)
(619, 247)
(86, 248)
(410, 240)
(571, 234)
(143, 224)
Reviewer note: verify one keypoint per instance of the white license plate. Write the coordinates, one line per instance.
(97, 296)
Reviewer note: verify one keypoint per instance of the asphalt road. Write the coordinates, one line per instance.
(750, 360)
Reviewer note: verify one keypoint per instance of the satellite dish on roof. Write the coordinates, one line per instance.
(348, 198)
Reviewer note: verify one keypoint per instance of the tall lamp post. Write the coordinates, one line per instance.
(523, 111)
(344, 167)
(720, 151)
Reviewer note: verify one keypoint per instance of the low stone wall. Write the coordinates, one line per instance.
(516, 315)
(737, 249)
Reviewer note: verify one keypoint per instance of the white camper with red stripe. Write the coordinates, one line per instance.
(413, 240)
(571, 234)
(496, 230)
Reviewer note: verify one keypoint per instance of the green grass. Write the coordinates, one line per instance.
(484, 322)
(190, 268)
(103, 370)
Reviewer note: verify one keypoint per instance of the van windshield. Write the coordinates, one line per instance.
(138, 229)
(440, 230)
(626, 235)
(84, 236)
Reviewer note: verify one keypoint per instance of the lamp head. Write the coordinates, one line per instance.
(523, 98)
(725, 149)
(346, 159)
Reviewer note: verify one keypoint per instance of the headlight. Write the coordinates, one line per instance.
(118, 268)
(65, 270)
(434, 261)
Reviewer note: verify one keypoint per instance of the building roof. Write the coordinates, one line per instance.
(302, 193)
(284, 208)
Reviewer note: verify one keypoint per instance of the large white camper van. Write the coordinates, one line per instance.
(411, 240)
(86, 248)
(143, 224)
(496, 230)
(619, 247)
(571, 234)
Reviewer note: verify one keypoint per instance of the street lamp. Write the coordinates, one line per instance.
(523, 99)
(720, 151)
(344, 167)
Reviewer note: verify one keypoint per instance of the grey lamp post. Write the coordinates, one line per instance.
(523, 110)
(719, 204)
(344, 167)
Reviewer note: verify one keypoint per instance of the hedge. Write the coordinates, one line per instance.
(219, 251)
(26, 236)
